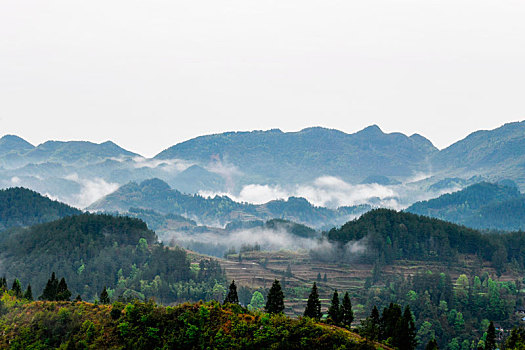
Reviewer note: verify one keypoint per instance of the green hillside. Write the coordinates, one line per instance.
(94, 251)
(22, 207)
(480, 206)
(80, 325)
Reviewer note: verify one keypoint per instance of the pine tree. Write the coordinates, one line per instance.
(50, 290)
(28, 295)
(325, 279)
(347, 315)
(17, 288)
(405, 333)
(104, 297)
(78, 298)
(313, 306)
(334, 311)
(389, 319)
(63, 293)
(318, 277)
(275, 299)
(232, 296)
(490, 342)
(432, 345)
(3, 283)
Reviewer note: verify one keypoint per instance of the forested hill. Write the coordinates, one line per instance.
(390, 235)
(22, 207)
(155, 194)
(481, 206)
(291, 157)
(94, 251)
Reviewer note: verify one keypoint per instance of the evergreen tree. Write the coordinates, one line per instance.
(325, 279)
(313, 306)
(490, 342)
(405, 333)
(318, 277)
(28, 295)
(432, 345)
(334, 311)
(78, 298)
(17, 288)
(347, 315)
(50, 290)
(104, 297)
(3, 283)
(232, 296)
(63, 293)
(389, 319)
(275, 299)
(370, 328)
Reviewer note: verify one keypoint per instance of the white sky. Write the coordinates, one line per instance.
(149, 74)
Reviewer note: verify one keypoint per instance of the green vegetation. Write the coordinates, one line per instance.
(481, 206)
(391, 235)
(139, 325)
(22, 207)
(95, 251)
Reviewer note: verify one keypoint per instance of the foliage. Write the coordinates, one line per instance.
(313, 305)
(94, 251)
(22, 207)
(275, 299)
(49, 325)
(481, 206)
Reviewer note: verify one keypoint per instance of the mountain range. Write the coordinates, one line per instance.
(382, 167)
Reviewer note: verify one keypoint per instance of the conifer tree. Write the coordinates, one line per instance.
(405, 333)
(389, 319)
(50, 290)
(78, 298)
(28, 295)
(347, 315)
(3, 283)
(318, 277)
(325, 279)
(63, 293)
(232, 296)
(334, 311)
(275, 299)
(104, 297)
(313, 305)
(17, 288)
(490, 342)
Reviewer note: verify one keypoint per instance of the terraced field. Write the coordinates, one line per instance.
(258, 269)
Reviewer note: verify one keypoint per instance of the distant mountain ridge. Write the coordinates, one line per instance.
(79, 172)
(480, 206)
(285, 157)
(157, 195)
(16, 152)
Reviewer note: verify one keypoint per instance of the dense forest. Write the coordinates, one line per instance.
(94, 251)
(482, 206)
(22, 207)
(390, 235)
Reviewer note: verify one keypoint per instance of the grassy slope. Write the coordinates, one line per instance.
(81, 325)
